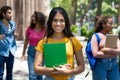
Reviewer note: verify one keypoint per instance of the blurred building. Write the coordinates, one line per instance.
(22, 11)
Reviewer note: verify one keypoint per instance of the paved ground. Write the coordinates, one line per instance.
(20, 71)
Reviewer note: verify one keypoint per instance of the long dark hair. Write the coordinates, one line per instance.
(4, 9)
(99, 20)
(67, 32)
(40, 18)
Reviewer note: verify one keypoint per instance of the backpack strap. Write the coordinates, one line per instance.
(98, 38)
(72, 44)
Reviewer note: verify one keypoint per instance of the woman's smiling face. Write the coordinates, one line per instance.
(58, 23)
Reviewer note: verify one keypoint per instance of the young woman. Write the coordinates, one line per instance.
(58, 30)
(106, 67)
(34, 33)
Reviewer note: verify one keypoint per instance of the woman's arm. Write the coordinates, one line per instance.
(66, 69)
(112, 51)
(80, 63)
(96, 52)
(24, 48)
(39, 69)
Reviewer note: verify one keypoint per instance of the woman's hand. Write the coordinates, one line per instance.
(108, 51)
(23, 58)
(62, 70)
(105, 50)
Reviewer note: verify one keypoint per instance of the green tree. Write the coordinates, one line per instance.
(77, 9)
(119, 13)
(85, 11)
(69, 5)
(61, 3)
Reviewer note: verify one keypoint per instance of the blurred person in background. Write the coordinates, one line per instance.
(106, 66)
(34, 33)
(7, 42)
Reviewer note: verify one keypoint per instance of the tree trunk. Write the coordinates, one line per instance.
(73, 11)
(86, 10)
(99, 6)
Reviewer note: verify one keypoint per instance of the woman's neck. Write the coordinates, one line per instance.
(58, 35)
(37, 28)
(104, 32)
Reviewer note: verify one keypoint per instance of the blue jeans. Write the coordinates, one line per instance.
(106, 69)
(9, 66)
(50, 78)
(31, 57)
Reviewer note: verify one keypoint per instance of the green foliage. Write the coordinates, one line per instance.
(81, 6)
(84, 29)
(90, 33)
(85, 32)
(66, 4)
(108, 10)
(74, 28)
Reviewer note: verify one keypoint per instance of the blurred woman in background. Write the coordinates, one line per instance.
(34, 33)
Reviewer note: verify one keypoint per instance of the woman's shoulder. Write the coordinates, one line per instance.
(44, 40)
(99, 34)
(74, 38)
(76, 43)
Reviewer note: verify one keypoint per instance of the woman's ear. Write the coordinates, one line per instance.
(104, 25)
(3, 14)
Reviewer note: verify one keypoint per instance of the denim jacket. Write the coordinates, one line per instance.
(8, 44)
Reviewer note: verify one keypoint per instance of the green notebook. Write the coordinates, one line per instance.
(54, 54)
